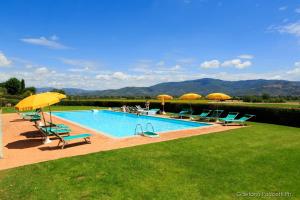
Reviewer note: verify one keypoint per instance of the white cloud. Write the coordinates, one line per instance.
(246, 56)
(210, 64)
(237, 63)
(295, 70)
(291, 28)
(4, 62)
(103, 77)
(80, 65)
(43, 41)
(119, 75)
(42, 70)
(282, 8)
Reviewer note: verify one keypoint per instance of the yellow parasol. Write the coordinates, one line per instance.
(190, 96)
(164, 97)
(39, 101)
(218, 96)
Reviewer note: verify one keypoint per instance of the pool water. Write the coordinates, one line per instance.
(117, 124)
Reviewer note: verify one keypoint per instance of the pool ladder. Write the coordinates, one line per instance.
(141, 128)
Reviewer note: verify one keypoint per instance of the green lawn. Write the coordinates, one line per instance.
(259, 158)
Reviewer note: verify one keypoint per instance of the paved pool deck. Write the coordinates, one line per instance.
(23, 145)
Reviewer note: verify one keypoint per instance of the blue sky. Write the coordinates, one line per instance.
(102, 44)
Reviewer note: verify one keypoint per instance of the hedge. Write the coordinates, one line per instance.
(281, 116)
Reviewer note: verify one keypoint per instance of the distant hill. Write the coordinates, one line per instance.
(202, 86)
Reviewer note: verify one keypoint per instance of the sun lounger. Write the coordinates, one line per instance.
(204, 114)
(151, 111)
(48, 131)
(240, 121)
(29, 115)
(51, 124)
(214, 115)
(183, 113)
(230, 116)
(35, 118)
(65, 139)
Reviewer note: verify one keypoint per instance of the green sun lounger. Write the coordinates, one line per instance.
(65, 139)
(230, 116)
(35, 118)
(204, 114)
(57, 125)
(29, 115)
(183, 113)
(241, 121)
(54, 130)
(214, 115)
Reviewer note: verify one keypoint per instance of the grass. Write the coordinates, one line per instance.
(259, 158)
(55, 108)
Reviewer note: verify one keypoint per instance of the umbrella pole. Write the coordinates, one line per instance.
(50, 117)
(47, 140)
(43, 117)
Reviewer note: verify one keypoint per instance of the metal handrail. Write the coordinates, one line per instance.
(151, 127)
(136, 127)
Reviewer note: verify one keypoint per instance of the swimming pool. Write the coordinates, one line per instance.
(118, 124)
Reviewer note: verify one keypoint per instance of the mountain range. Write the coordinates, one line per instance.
(202, 86)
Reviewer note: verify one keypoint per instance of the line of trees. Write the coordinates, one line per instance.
(14, 86)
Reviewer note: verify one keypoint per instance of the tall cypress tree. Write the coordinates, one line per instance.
(22, 85)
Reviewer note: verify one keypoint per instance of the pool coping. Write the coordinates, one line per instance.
(132, 136)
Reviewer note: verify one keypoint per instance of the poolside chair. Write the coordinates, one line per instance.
(35, 118)
(183, 113)
(140, 109)
(51, 124)
(65, 139)
(29, 115)
(151, 111)
(49, 131)
(204, 114)
(230, 116)
(214, 115)
(241, 121)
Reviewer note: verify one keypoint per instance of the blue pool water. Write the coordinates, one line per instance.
(117, 124)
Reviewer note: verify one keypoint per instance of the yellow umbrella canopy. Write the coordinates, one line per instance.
(39, 101)
(164, 97)
(190, 96)
(218, 96)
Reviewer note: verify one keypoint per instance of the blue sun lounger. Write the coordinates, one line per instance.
(204, 114)
(230, 116)
(240, 121)
(65, 139)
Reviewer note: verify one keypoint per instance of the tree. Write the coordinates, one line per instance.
(2, 91)
(58, 90)
(32, 90)
(22, 85)
(13, 86)
(266, 96)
